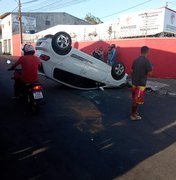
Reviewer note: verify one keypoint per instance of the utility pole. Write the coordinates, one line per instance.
(20, 24)
(146, 24)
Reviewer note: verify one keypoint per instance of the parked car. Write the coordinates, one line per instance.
(74, 68)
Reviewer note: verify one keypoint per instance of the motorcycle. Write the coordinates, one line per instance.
(30, 93)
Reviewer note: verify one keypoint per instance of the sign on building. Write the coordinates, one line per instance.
(28, 24)
(144, 23)
(141, 24)
(170, 21)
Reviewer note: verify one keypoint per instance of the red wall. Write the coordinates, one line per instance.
(16, 45)
(162, 52)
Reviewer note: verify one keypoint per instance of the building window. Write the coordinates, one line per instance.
(47, 23)
(9, 23)
(5, 46)
(9, 46)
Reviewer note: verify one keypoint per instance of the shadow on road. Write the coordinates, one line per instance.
(80, 134)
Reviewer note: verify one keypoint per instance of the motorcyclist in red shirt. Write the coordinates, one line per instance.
(30, 65)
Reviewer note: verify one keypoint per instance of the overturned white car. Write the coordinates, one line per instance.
(74, 68)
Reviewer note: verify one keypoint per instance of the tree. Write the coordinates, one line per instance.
(92, 19)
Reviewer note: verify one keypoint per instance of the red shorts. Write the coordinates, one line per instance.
(138, 93)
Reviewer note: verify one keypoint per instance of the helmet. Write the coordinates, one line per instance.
(28, 48)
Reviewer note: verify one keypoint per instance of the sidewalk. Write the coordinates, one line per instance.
(162, 86)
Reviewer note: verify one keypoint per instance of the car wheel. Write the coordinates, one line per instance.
(118, 70)
(61, 43)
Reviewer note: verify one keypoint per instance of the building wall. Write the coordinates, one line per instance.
(6, 40)
(162, 53)
(47, 20)
(142, 24)
(77, 32)
(16, 45)
(43, 21)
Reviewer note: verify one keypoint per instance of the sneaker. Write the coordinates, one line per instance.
(135, 118)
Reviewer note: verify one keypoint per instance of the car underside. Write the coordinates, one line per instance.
(74, 68)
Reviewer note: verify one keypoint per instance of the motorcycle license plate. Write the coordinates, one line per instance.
(38, 95)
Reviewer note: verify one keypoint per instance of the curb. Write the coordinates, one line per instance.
(159, 91)
(165, 93)
(171, 94)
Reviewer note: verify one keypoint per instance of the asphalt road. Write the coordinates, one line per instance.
(86, 135)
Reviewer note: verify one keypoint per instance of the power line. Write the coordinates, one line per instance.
(32, 4)
(29, 2)
(173, 3)
(67, 4)
(61, 5)
(125, 9)
(15, 9)
(48, 5)
(56, 4)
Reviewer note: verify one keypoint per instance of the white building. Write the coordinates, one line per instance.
(141, 24)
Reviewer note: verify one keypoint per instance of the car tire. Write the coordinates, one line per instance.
(118, 70)
(61, 43)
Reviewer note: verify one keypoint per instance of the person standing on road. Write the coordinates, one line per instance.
(141, 67)
(96, 54)
(111, 54)
(101, 54)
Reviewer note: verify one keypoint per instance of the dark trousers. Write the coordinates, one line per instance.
(18, 87)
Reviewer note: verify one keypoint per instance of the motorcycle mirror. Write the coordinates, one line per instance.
(8, 61)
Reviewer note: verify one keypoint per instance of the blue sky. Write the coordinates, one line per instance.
(79, 8)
